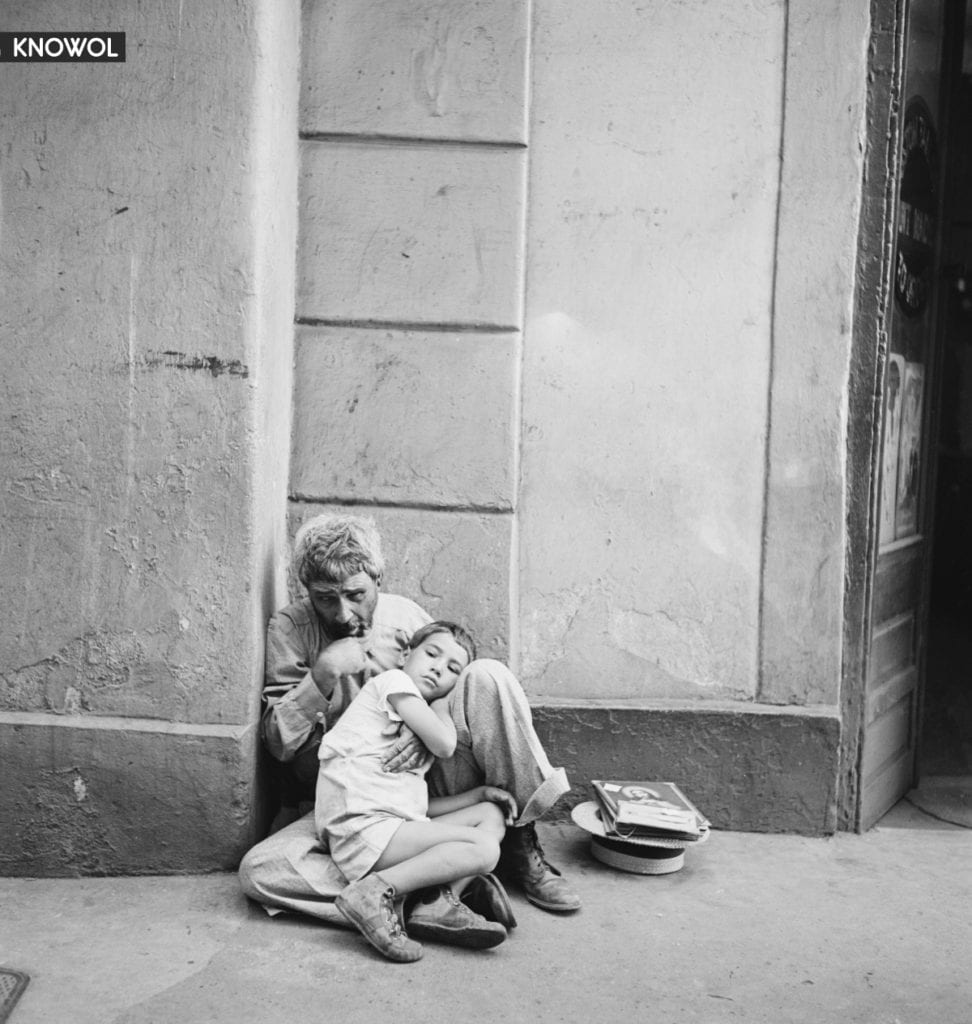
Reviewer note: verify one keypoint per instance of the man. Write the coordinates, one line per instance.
(320, 651)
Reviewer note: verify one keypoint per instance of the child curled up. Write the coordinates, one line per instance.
(385, 833)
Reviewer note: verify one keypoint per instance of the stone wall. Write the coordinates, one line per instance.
(411, 263)
(575, 288)
(146, 270)
(572, 286)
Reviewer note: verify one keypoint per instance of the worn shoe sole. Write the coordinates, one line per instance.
(486, 896)
(568, 905)
(554, 908)
(483, 936)
(398, 954)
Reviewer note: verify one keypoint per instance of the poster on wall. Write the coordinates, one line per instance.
(917, 228)
(909, 451)
(893, 382)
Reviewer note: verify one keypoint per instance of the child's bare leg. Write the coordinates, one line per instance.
(486, 816)
(447, 851)
(427, 853)
(443, 869)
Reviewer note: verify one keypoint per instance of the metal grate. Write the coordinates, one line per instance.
(12, 984)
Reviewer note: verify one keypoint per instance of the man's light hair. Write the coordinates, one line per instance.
(330, 548)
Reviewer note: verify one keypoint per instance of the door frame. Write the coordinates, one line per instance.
(869, 351)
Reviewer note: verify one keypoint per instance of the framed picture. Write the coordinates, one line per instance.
(909, 451)
(893, 387)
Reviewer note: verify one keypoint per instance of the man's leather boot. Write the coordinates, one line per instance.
(522, 861)
(438, 916)
(486, 896)
(369, 904)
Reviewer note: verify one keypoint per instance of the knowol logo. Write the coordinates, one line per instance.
(62, 47)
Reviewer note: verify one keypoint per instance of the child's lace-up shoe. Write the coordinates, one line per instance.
(439, 916)
(369, 904)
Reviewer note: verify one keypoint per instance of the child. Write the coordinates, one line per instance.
(379, 821)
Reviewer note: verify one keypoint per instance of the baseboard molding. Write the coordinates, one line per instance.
(98, 796)
(748, 767)
(102, 796)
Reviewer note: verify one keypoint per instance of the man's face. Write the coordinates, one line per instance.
(435, 665)
(345, 608)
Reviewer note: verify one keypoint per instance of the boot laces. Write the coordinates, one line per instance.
(535, 854)
(391, 917)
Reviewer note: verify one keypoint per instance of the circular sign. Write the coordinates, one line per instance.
(915, 245)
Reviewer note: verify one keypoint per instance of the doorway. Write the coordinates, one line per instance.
(945, 743)
(908, 694)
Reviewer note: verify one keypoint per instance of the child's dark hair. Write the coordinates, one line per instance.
(461, 636)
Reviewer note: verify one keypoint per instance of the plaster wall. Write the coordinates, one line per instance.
(652, 206)
(808, 503)
(668, 424)
(146, 269)
(609, 247)
(410, 290)
(692, 232)
(668, 470)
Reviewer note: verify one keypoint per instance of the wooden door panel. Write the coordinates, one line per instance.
(892, 647)
(888, 764)
(897, 583)
(883, 700)
(892, 734)
(898, 612)
(884, 789)
(888, 754)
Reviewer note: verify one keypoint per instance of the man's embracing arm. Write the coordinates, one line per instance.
(295, 707)
(301, 683)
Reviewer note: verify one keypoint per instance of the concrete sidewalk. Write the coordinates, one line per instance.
(874, 929)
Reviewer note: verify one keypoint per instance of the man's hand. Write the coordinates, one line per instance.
(505, 800)
(408, 753)
(344, 657)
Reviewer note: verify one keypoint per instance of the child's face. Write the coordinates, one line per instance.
(434, 665)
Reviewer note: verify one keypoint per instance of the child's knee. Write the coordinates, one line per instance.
(492, 820)
(489, 849)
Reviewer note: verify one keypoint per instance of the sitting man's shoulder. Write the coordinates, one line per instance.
(297, 614)
(396, 612)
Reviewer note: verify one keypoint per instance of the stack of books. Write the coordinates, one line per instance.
(643, 827)
(648, 810)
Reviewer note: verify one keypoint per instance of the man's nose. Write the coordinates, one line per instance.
(344, 612)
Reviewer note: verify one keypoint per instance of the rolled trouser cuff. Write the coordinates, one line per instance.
(550, 791)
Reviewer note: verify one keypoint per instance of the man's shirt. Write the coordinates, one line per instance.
(296, 714)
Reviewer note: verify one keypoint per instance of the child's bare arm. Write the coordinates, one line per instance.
(479, 794)
(432, 723)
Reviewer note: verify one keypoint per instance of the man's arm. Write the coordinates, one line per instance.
(290, 721)
(296, 704)
(300, 686)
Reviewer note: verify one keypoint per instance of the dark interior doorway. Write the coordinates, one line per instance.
(945, 746)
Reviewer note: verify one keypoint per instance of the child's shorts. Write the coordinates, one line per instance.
(357, 842)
